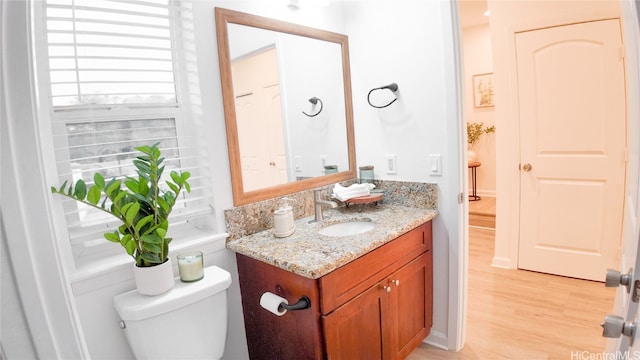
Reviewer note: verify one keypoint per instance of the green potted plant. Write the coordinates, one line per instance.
(143, 208)
(474, 132)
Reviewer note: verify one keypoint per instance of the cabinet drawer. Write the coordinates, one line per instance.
(352, 279)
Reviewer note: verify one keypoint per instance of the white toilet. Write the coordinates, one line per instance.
(187, 322)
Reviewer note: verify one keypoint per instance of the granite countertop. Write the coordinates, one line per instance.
(312, 255)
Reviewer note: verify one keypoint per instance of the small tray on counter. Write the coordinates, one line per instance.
(364, 200)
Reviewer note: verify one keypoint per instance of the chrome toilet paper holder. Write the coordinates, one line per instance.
(303, 303)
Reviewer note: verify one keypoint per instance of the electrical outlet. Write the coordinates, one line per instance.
(323, 161)
(391, 165)
(297, 160)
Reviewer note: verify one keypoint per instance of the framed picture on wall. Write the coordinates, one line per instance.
(483, 90)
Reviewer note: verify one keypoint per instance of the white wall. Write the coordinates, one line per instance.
(407, 42)
(322, 77)
(15, 339)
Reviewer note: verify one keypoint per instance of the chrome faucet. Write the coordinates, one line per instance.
(318, 203)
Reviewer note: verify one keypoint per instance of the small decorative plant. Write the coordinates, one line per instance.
(142, 206)
(475, 130)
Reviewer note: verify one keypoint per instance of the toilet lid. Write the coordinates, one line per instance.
(134, 306)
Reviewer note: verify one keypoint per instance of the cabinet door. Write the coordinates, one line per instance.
(297, 334)
(356, 330)
(411, 303)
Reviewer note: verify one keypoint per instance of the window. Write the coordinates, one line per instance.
(110, 52)
(117, 74)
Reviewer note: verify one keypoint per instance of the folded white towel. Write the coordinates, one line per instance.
(356, 190)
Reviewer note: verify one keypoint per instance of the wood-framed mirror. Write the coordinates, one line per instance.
(286, 92)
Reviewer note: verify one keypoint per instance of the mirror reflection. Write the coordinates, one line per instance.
(283, 135)
(287, 100)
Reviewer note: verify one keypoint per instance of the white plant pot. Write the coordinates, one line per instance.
(154, 280)
(471, 156)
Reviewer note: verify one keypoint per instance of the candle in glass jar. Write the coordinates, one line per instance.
(191, 266)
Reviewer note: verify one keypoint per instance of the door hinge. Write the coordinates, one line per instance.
(460, 198)
(621, 53)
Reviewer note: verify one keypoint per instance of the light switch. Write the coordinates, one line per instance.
(435, 166)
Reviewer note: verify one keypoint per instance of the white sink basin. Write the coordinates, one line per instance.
(347, 228)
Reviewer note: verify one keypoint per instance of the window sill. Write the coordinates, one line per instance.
(117, 269)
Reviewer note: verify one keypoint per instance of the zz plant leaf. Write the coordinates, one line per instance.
(94, 195)
(141, 205)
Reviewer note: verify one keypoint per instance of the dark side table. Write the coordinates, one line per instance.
(473, 166)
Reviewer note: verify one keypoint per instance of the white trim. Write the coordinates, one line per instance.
(504, 263)
(437, 339)
(458, 225)
(117, 271)
(629, 245)
(485, 193)
(41, 279)
(117, 262)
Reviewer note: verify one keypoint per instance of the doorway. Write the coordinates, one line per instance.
(508, 178)
(479, 116)
(507, 20)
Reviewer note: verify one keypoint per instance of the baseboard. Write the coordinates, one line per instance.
(482, 227)
(501, 262)
(437, 339)
(482, 193)
(487, 193)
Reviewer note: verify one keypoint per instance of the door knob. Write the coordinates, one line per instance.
(614, 326)
(526, 167)
(614, 279)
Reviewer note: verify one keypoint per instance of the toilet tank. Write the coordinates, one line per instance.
(187, 322)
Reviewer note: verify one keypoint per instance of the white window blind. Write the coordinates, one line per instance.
(110, 52)
(117, 72)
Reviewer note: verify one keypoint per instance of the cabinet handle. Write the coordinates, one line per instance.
(396, 282)
(386, 288)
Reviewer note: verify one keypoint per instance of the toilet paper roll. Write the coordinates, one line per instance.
(272, 303)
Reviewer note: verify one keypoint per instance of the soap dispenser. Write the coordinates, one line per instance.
(283, 219)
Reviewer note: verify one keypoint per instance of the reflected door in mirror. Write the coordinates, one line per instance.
(258, 114)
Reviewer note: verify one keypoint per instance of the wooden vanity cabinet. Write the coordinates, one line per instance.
(385, 322)
(378, 306)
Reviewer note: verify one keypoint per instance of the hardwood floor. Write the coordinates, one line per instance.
(482, 213)
(517, 314)
(485, 206)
